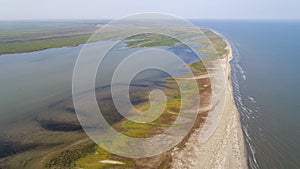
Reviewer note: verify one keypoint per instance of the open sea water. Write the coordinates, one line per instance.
(266, 82)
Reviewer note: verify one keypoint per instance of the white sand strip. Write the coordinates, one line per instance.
(111, 162)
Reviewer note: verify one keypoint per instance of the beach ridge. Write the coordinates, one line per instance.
(225, 147)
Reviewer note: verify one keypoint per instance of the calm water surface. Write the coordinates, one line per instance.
(32, 81)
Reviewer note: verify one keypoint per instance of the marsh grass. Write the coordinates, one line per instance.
(92, 159)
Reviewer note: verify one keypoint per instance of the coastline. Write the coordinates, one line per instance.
(43, 49)
(189, 152)
(241, 141)
(225, 147)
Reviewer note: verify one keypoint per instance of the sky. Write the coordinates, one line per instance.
(113, 9)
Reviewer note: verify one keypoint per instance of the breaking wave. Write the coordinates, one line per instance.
(248, 112)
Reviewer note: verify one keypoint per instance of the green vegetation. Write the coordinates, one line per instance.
(87, 156)
(13, 31)
(93, 161)
(28, 46)
(217, 41)
(215, 47)
(27, 36)
(151, 40)
(67, 159)
(198, 66)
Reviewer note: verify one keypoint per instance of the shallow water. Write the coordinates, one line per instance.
(33, 81)
(37, 112)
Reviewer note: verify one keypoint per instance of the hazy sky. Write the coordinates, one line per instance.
(110, 9)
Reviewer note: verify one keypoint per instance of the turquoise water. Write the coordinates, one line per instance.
(266, 80)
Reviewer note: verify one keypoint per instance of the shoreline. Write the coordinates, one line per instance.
(190, 144)
(230, 57)
(42, 49)
(225, 147)
(230, 86)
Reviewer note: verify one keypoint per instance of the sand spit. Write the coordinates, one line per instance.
(219, 142)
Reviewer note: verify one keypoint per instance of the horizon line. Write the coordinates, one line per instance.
(110, 19)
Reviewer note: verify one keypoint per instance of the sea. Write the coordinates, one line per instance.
(266, 82)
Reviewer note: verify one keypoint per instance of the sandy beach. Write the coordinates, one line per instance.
(219, 142)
